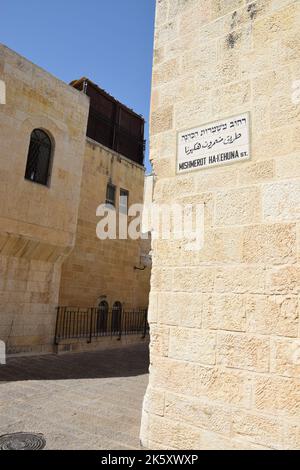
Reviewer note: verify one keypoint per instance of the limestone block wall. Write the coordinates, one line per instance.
(225, 340)
(37, 223)
(104, 269)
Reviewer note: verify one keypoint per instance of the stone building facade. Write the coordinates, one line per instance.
(98, 270)
(224, 321)
(49, 252)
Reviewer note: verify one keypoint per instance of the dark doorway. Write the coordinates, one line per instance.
(102, 317)
(116, 317)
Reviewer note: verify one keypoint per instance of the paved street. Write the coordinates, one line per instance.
(83, 401)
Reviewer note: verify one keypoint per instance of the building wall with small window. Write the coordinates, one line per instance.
(42, 141)
(52, 179)
(106, 269)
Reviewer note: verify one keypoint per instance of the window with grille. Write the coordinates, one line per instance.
(39, 157)
(124, 196)
(111, 194)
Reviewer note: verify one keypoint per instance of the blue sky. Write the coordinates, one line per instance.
(109, 41)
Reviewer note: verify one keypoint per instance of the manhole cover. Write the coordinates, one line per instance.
(22, 441)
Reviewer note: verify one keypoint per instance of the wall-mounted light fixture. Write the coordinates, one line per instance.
(145, 262)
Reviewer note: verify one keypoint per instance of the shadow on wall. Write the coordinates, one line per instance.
(128, 361)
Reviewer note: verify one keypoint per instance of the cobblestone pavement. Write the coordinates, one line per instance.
(89, 400)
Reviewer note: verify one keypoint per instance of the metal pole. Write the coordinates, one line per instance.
(145, 323)
(91, 326)
(56, 326)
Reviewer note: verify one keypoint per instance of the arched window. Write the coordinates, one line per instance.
(102, 317)
(39, 157)
(116, 317)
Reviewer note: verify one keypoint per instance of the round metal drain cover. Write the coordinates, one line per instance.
(22, 441)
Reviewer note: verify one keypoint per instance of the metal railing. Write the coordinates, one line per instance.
(95, 322)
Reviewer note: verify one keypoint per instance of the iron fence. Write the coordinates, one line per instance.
(95, 322)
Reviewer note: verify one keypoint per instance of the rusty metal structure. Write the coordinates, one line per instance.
(113, 124)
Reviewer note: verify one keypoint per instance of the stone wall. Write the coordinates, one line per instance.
(104, 269)
(37, 223)
(43, 228)
(225, 321)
